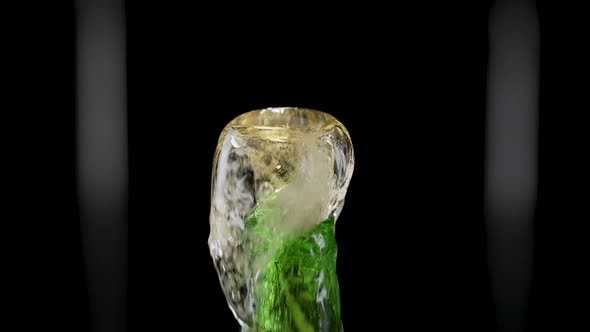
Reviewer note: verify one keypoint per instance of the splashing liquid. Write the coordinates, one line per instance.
(279, 181)
(296, 288)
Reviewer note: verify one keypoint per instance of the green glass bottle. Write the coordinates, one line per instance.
(279, 180)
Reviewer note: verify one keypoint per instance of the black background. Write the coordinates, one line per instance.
(409, 84)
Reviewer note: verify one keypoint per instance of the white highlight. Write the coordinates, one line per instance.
(304, 201)
(511, 160)
(102, 158)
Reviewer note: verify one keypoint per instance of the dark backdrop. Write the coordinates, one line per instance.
(408, 83)
(411, 232)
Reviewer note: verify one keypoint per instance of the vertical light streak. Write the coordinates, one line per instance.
(102, 157)
(511, 156)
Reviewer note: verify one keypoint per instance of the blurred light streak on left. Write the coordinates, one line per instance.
(102, 157)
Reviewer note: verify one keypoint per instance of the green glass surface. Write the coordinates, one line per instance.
(297, 289)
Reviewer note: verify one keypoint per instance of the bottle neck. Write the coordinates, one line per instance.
(298, 290)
